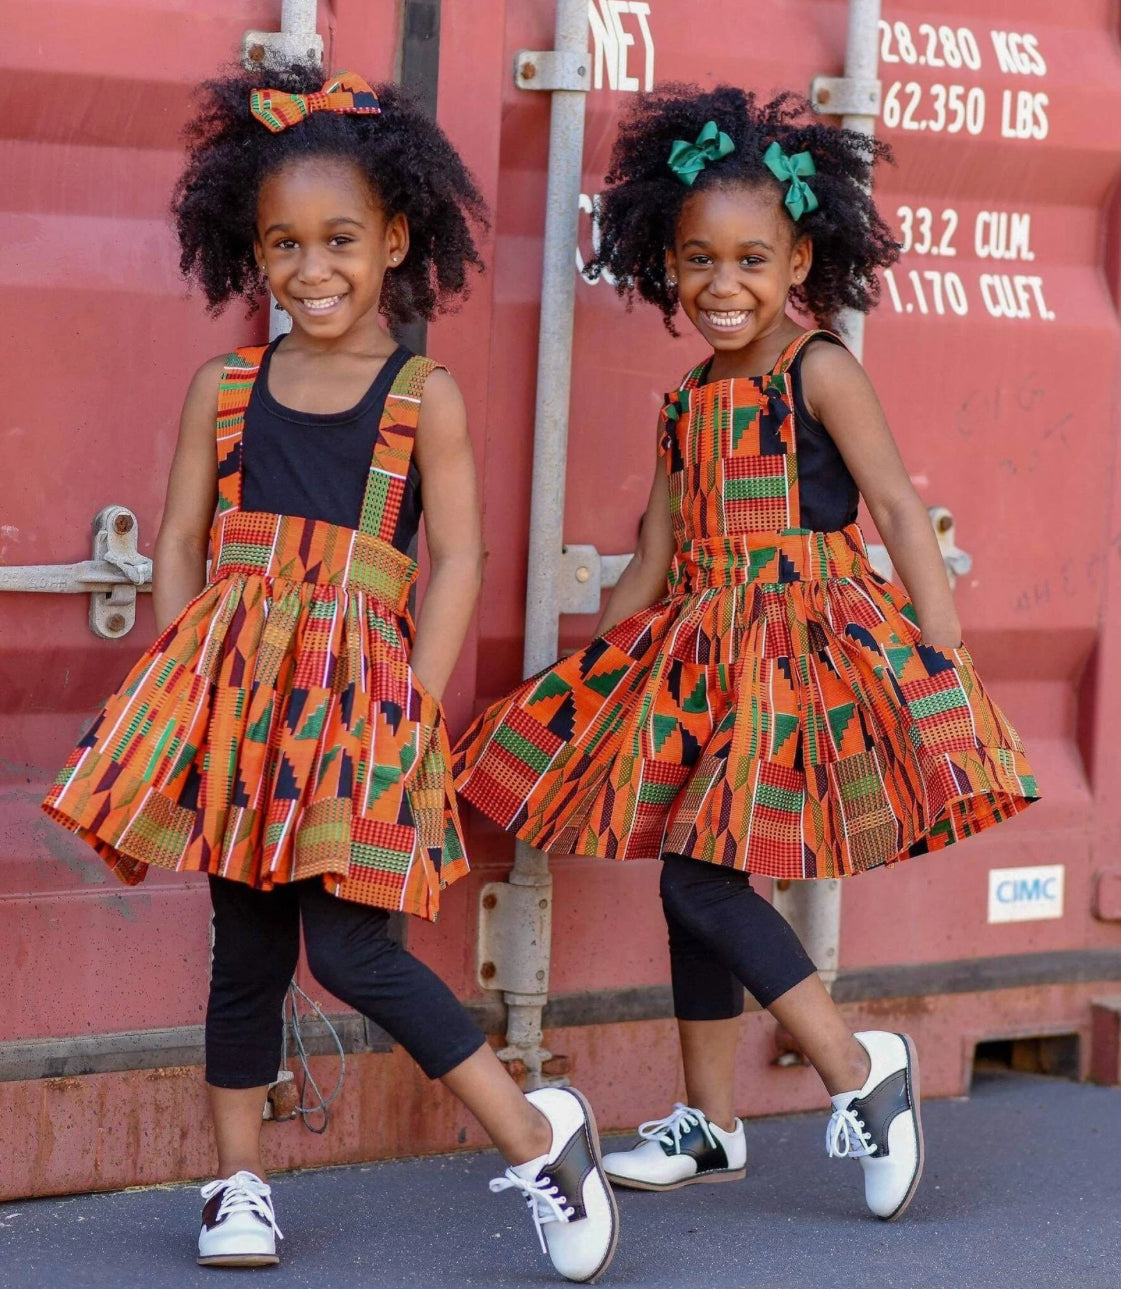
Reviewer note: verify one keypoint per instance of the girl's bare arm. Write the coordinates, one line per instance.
(644, 579)
(179, 558)
(452, 529)
(841, 396)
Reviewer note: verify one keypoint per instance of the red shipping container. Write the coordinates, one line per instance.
(994, 352)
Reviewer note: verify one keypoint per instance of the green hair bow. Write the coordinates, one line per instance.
(687, 160)
(800, 198)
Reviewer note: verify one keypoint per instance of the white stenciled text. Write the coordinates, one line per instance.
(623, 46)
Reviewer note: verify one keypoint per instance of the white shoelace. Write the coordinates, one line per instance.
(244, 1193)
(545, 1202)
(670, 1130)
(845, 1134)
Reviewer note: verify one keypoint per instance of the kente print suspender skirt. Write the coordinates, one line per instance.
(275, 731)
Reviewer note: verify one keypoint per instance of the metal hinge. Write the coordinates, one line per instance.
(112, 578)
(515, 928)
(546, 69)
(845, 96)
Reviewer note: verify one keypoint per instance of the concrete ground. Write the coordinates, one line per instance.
(1022, 1190)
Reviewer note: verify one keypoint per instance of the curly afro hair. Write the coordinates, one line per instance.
(411, 168)
(643, 198)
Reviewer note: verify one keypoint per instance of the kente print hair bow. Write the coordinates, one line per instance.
(800, 198)
(687, 160)
(345, 92)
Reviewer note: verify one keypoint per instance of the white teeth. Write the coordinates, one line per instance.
(726, 320)
(327, 302)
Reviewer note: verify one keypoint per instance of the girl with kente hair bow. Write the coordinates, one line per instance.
(758, 700)
(284, 733)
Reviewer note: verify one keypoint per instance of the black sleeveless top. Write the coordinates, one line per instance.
(316, 464)
(828, 497)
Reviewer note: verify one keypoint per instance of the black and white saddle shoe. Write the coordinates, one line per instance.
(571, 1204)
(680, 1150)
(238, 1224)
(880, 1124)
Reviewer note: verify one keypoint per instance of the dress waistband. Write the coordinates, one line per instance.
(795, 555)
(309, 550)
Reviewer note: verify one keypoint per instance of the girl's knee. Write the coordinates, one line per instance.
(671, 880)
(341, 966)
(327, 963)
(682, 881)
(261, 973)
(702, 896)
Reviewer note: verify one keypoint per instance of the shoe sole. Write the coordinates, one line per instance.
(916, 1111)
(631, 1183)
(597, 1155)
(239, 1260)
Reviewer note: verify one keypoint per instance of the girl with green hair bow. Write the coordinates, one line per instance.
(758, 701)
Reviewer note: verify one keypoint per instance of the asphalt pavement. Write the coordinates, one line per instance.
(1022, 1190)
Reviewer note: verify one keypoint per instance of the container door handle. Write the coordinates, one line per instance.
(112, 579)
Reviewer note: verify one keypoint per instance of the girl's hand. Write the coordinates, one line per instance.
(179, 557)
(452, 531)
(839, 394)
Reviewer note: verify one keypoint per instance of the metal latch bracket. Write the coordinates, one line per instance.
(261, 50)
(583, 574)
(845, 96)
(546, 69)
(111, 578)
(113, 614)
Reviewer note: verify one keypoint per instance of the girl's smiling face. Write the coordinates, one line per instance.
(735, 257)
(325, 244)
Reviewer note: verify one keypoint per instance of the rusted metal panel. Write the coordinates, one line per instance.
(105, 1131)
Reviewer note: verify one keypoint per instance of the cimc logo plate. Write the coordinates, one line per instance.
(1026, 894)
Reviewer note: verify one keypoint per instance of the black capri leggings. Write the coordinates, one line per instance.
(350, 953)
(724, 938)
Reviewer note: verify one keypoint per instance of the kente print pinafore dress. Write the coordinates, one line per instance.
(275, 731)
(777, 711)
